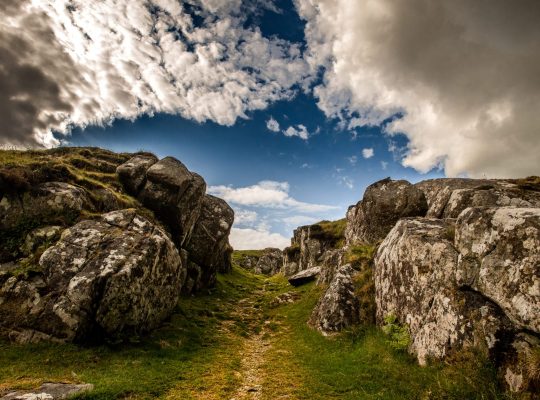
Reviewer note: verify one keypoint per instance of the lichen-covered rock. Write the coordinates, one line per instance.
(521, 369)
(208, 245)
(330, 262)
(415, 270)
(270, 262)
(339, 307)
(50, 391)
(176, 195)
(383, 204)
(104, 278)
(500, 258)
(304, 276)
(132, 174)
(291, 260)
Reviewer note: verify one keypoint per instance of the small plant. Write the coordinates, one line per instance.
(398, 334)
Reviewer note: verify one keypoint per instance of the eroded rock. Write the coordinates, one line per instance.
(50, 391)
(132, 174)
(270, 262)
(304, 276)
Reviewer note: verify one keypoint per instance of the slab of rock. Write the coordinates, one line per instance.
(339, 307)
(176, 195)
(270, 262)
(305, 276)
(132, 174)
(208, 246)
(415, 280)
(383, 204)
(50, 391)
(106, 278)
(500, 258)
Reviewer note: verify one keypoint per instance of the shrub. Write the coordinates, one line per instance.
(398, 335)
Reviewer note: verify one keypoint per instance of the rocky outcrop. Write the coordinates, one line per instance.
(304, 276)
(383, 204)
(50, 391)
(339, 307)
(470, 283)
(209, 246)
(331, 261)
(270, 262)
(132, 174)
(105, 278)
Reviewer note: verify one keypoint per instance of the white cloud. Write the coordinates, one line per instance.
(384, 165)
(244, 217)
(272, 125)
(346, 181)
(300, 131)
(352, 160)
(367, 153)
(467, 91)
(74, 63)
(253, 239)
(298, 220)
(268, 194)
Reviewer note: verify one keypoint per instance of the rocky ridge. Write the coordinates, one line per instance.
(98, 245)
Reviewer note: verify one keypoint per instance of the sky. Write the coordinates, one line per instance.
(287, 108)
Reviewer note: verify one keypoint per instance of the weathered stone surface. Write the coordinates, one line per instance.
(339, 307)
(383, 204)
(50, 391)
(176, 195)
(132, 173)
(331, 261)
(305, 276)
(270, 262)
(291, 260)
(208, 245)
(500, 258)
(40, 237)
(415, 270)
(521, 369)
(119, 274)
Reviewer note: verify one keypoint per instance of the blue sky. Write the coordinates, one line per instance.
(288, 108)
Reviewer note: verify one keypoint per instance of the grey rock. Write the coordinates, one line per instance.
(106, 278)
(521, 369)
(339, 307)
(270, 262)
(50, 391)
(132, 174)
(331, 261)
(383, 204)
(176, 195)
(40, 237)
(500, 258)
(304, 276)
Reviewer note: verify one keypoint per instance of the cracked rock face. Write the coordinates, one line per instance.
(132, 174)
(208, 246)
(500, 258)
(331, 260)
(105, 278)
(383, 204)
(339, 307)
(415, 270)
(270, 262)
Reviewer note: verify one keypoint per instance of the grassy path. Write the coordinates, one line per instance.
(238, 343)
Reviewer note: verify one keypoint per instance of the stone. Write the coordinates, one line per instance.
(331, 261)
(132, 174)
(176, 196)
(339, 307)
(50, 391)
(40, 237)
(383, 204)
(107, 278)
(500, 258)
(304, 276)
(270, 262)
(415, 280)
(521, 369)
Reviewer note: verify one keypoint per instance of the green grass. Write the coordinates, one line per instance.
(332, 232)
(361, 364)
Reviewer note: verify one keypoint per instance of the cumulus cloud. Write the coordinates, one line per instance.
(458, 78)
(253, 239)
(244, 217)
(72, 63)
(299, 131)
(297, 220)
(272, 125)
(367, 153)
(269, 194)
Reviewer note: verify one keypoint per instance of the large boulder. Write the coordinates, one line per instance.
(383, 204)
(106, 278)
(270, 262)
(339, 307)
(132, 174)
(331, 260)
(304, 276)
(176, 195)
(208, 246)
(415, 269)
(500, 258)
(45, 204)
